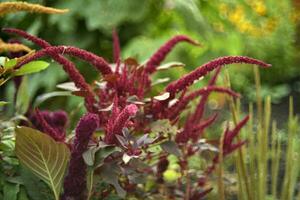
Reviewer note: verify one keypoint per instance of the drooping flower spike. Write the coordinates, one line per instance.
(38, 41)
(201, 71)
(52, 123)
(67, 65)
(99, 63)
(12, 7)
(75, 180)
(163, 51)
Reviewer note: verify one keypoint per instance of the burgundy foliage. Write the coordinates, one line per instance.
(75, 180)
(123, 100)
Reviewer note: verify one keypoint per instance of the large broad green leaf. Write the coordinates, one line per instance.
(10, 191)
(45, 157)
(32, 67)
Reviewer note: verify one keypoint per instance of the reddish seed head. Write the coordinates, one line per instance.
(116, 46)
(99, 63)
(75, 180)
(119, 123)
(52, 123)
(163, 51)
(201, 71)
(34, 39)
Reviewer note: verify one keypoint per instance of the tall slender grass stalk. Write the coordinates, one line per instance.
(243, 181)
(275, 158)
(221, 190)
(291, 156)
(262, 159)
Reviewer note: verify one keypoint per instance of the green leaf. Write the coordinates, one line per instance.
(170, 65)
(10, 191)
(23, 98)
(171, 147)
(110, 173)
(3, 60)
(45, 157)
(95, 156)
(32, 184)
(40, 99)
(32, 67)
(10, 64)
(22, 194)
(3, 103)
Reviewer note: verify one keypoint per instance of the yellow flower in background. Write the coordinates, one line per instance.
(223, 9)
(237, 15)
(259, 7)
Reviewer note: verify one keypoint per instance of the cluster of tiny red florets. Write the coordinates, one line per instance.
(126, 80)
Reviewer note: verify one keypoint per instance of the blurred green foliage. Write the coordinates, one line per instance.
(264, 29)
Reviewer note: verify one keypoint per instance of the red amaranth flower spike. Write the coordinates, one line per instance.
(163, 51)
(116, 46)
(228, 145)
(198, 130)
(201, 105)
(38, 41)
(179, 106)
(67, 65)
(200, 195)
(119, 123)
(230, 135)
(201, 71)
(75, 180)
(52, 123)
(99, 63)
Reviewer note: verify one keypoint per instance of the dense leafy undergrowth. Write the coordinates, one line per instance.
(133, 142)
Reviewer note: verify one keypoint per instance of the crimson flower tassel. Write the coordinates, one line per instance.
(198, 130)
(38, 41)
(201, 71)
(119, 123)
(116, 46)
(179, 106)
(67, 65)
(200, 195)
(201, 105)
(228, 145)
(52, 123)
(75, 180)
(99, 63)
(163, 51)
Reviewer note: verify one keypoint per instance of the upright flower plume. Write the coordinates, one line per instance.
(201, 71)
(12, 7)
(116, 46)
(228, 145)
(163, 51)
(119, 123)
(75, 181)
(201, 105)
